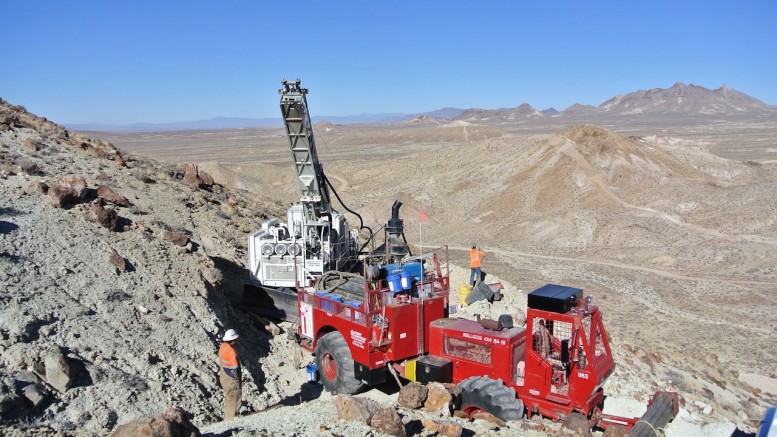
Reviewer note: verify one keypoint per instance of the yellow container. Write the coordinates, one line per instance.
(464, 291)
(410, 370)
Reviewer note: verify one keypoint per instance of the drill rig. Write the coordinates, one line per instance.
(396, 321)
(314, 239)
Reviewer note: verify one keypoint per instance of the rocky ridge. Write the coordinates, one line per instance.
(117, 289)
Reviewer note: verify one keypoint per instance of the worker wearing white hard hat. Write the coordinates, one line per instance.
(229, 375)
(230, 335)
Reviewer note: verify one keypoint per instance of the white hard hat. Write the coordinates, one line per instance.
(230, 335)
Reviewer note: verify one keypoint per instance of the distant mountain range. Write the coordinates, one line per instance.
(680, 99)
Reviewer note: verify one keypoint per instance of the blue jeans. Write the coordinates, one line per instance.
(474, 275)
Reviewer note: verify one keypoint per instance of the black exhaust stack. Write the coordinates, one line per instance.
(395, 230)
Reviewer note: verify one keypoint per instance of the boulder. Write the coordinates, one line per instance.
(350, 408)
(75, 182)
(117, 260)
(484, 415)
(28, 376)
(107, 194)
(58, 373)
(35, 394)
(177, 238)
(455, 392)
(443, 427)
(145, 426)
(178, 417)
(206, 179)
(439, 399)
(172, 423)
(578, 424)
(412, 395)
(387, 421)
(119, 161)
(191, 176)
(106, 217)
(42, 187)
(62, 197)
(616, 431)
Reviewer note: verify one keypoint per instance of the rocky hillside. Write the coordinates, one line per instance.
(117, 278)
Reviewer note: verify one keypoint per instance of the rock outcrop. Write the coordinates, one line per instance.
(172, 423)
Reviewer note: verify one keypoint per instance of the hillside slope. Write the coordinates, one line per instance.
(138, 333)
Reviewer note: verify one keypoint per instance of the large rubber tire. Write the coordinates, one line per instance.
(481, 393)
(335, 365)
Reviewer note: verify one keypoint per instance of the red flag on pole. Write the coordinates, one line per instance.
(424, 217)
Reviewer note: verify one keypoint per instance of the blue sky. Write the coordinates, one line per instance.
(164, 61)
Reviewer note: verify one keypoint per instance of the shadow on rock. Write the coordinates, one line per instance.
(78, 370)
(225, 304)
(389, 387)
(307, 392)
(12, 258)
(10, 212)
(7, 227)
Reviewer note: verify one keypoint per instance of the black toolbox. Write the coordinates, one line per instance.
(433, 369)
(555, 298)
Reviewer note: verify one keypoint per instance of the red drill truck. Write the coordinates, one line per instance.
(555, 366)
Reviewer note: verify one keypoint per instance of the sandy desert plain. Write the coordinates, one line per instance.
(670, 223)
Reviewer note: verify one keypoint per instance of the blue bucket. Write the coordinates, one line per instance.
(406, 280)
(395, 283)
(415, 269)
(312, 370)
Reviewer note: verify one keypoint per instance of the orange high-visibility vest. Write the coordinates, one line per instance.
(476, 257)
(228, 356)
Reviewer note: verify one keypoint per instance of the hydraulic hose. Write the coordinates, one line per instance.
(361, 221)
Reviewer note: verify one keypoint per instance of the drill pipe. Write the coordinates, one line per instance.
(659, 413)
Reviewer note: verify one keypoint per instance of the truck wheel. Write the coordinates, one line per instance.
(481, 393)
(335, 364)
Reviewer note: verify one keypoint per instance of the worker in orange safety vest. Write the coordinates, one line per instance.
(229, 375)
(475, 261)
